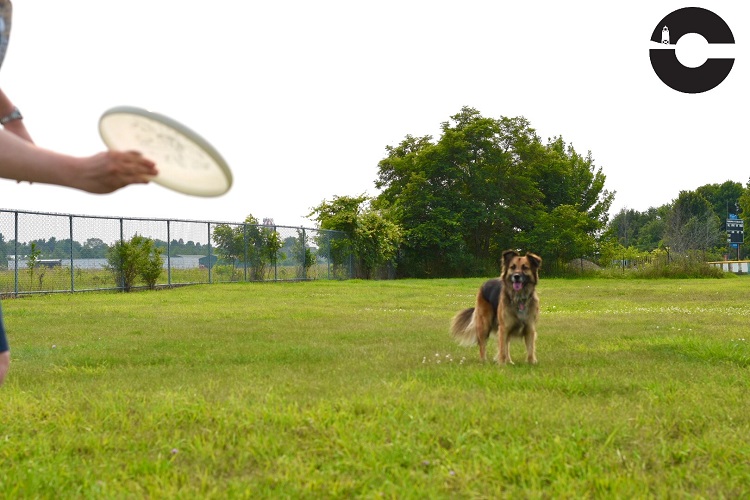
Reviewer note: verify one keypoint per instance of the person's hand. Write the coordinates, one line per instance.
(110, 171)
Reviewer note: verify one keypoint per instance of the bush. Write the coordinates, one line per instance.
(137, 258)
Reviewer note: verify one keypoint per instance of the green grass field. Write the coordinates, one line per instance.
(355, 389)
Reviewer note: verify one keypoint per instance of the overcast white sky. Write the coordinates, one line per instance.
(301, 97)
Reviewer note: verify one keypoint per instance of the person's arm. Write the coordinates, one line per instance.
(101, 173)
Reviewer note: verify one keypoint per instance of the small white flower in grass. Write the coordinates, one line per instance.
(175, 451)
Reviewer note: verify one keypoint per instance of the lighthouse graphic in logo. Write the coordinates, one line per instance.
(674, 73)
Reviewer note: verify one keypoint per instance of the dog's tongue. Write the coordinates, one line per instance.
(517, 286)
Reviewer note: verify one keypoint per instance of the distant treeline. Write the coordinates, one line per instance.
(92, 248)
(95, 248)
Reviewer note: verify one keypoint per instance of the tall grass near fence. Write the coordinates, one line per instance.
(346, 389)
(650, 267)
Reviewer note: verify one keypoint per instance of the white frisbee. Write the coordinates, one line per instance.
(186, 161)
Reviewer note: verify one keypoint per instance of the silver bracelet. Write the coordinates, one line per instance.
(13, 115)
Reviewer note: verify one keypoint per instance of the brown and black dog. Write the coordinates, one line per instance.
(508, 304)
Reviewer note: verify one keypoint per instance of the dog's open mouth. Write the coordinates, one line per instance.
(517, 285)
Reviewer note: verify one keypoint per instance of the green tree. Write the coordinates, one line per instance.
(692, 224)
(264, 244)
(302, 254)
(642, 230)
(339, 215)
(248, 244)
(651, 234)
(567, 178)
(563, 234)
(230, 244)
(723, 198)
(151, 262)
(367, 232)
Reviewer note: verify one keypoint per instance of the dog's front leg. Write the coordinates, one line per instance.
(503, 339)
(503, 353)
(530, 338)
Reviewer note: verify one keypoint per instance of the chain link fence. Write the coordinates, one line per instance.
(48, 252)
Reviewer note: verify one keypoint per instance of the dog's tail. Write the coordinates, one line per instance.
(463, 328)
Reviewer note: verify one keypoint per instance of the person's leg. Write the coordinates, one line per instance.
(4, 350)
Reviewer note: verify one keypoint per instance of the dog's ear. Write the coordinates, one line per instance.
(536, 263)
(508, 255)
(534, 260)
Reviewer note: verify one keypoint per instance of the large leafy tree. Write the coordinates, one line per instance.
(419, 189)
(723, 198)
(692, 224)
(484, 186)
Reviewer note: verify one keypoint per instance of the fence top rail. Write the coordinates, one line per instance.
(160, 219)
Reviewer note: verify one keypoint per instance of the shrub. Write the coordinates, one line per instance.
(137, 258)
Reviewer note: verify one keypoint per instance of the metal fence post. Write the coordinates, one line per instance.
(244, 238)
(15, 251)
(304, 254)
(122, 242)
(169, 256)
(328, 257)
(210, 264)
(72, 269)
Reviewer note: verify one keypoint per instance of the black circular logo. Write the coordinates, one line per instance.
(670, 69)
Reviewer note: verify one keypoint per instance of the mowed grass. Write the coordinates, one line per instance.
(355, 389)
